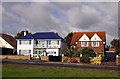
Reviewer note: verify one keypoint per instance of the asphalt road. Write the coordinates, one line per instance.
(59, 64)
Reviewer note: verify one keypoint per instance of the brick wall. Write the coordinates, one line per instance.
(76, 58)
(14, 57)
(45, 58)
(96, 49)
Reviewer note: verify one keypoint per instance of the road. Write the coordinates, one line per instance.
(59, 64)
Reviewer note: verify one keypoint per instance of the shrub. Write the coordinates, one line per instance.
(96, 60)
(65, 60)
(72, 60)
(71, 52)
(88, 51)
(85, 58)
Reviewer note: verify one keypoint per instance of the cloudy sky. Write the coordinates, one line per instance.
(60, 17)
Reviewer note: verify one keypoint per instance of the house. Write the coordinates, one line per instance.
(94, 40)
(7, 43)
(40, 44)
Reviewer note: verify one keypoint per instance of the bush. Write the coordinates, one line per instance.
(96, 60)
(65, 60)
(88, 51)
(72, 60)
(85, 58)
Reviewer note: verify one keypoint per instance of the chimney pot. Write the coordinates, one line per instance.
(24, 33)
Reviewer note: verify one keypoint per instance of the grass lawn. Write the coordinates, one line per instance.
(119, 60)
(14, 70)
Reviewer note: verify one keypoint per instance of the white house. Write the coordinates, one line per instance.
(40, 44)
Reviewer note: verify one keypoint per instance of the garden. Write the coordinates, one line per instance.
(86, 55)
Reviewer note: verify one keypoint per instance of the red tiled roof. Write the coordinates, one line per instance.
(12, 41)
(78, 35)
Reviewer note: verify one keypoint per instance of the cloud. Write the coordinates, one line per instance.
(61, 17)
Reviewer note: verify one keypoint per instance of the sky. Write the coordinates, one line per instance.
(60, 17)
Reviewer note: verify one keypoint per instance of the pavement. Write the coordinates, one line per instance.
(60, 64)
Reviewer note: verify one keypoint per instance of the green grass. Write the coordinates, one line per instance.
(119, 60)
(14, 70)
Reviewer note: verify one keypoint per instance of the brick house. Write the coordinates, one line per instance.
(94, 40)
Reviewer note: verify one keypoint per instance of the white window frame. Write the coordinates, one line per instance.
(97, 45)
(82, 45)
(25, 42)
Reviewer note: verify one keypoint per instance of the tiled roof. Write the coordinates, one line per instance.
(42, 35)
(28, 36)
(78, 35)
(12, 41)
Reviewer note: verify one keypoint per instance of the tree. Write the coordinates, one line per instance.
(86, 54)
(88, 51)
(20, 34)
(71, 52)
(68, 38)
(116, 44)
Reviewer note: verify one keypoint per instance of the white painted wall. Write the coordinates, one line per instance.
(84, 38)
(54, 43)
(53, 50)
(95, 37)
(25, 46)
(5, 44)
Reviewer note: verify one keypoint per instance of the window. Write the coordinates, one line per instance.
(57, 42)
(29, 41)
(29, 51)
(84, 44)
(25, 42)
(51, 52)
(20, 42)
(49, 42)
(19, 51)
(36, 42)
(95, 44)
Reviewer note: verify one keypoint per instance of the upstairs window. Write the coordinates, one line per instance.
(84, 44)
(20, 42)
(29, 41)
(49, 42)
(36, 42)
(25, 42)
(95, 44)
(58, 42)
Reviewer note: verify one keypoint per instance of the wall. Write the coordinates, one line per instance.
(53, 50)
(96, 49)
(45, 58)
(14, 57)
(64, 58)
(25, 46)
(5, 43)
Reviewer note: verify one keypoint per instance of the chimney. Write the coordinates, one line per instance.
(24, 33)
